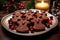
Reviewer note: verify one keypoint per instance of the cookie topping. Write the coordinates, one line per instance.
(18, 19)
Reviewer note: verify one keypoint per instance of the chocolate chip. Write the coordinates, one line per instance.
(23, 23)
(40, 17)
(37, 22)
(18, 20)
(30, 19)
(35, 15)
(23, 16)
(51, 17)
(17, 16)
(12, 16)
(41, 14)
(30, 24)
(45, 14)
(32, 12)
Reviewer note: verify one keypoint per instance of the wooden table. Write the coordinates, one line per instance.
(54, 34)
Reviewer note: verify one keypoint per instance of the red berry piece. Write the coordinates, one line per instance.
(22, 7)
(21, 4)
(31, 29)
(50, 22)
(12, 27)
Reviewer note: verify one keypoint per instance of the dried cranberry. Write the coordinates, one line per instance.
(50, 22)
(31, 29)
(12, 27)
(45, 14)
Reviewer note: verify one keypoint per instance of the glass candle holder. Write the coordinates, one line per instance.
(42, 4)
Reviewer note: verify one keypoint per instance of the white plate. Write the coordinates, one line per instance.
(5, 24)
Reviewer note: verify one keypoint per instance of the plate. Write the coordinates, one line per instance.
(5, 24)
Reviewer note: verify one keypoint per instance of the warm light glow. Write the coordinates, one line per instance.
(43, 5)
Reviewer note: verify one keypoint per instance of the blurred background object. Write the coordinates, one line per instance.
(13, 5)
(9, 6)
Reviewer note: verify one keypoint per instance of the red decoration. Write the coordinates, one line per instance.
(5, 6)
(21, 5)
(12, 27)
(31, 28)
(50, 22)
(12, 1)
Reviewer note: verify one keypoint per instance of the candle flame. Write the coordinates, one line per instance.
(42, 3)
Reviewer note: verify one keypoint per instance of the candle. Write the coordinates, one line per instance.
(43, 5)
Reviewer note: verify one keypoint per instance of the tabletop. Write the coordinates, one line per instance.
(53, 34)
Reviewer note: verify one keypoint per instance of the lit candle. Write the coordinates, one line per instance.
(43, 5)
